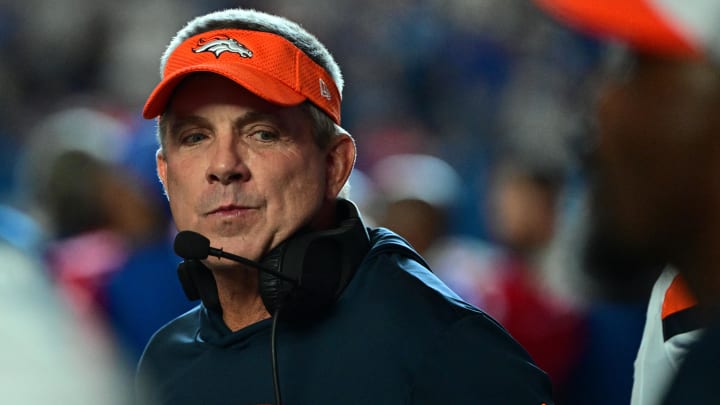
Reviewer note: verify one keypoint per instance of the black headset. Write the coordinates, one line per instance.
(304, 275)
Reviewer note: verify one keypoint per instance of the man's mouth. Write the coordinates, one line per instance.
(229, 210)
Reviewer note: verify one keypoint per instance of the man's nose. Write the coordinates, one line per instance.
(226, 163)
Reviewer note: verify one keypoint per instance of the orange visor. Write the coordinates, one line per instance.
(266, 64)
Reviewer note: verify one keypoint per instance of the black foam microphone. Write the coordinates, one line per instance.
(193, 246)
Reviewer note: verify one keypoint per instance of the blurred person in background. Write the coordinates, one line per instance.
(87, 210)
(251, 153)
(523, 211)
(655, 183)
(62, 351)
(418, 192)
(96, 223)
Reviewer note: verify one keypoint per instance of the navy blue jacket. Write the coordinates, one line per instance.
(397, 335)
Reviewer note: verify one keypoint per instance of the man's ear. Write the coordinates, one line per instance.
(340, 161)
(161, 164)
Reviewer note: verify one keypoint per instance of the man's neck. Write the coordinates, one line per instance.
(239, 297)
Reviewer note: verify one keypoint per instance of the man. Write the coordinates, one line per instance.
(252, 157)
(657, 158)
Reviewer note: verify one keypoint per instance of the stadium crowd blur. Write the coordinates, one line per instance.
(469, 116)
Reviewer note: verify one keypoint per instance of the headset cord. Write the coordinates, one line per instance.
(273, 353)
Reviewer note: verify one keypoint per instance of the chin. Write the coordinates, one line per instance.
(223, 265)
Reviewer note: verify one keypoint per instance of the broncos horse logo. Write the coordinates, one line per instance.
(222, 43)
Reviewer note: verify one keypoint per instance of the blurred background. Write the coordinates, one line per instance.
(471, 120)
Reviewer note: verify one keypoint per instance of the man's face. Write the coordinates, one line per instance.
(239, 170)
(653, 152)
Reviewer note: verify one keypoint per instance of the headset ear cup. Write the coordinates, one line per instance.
(321, 269)
(273, 290)
(323, 263)
(313, 259)
(187, 281)
(198, 283)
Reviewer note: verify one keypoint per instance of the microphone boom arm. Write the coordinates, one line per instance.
(219, 253)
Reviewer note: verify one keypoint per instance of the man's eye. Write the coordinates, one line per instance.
(193, 138)
(264, 136)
